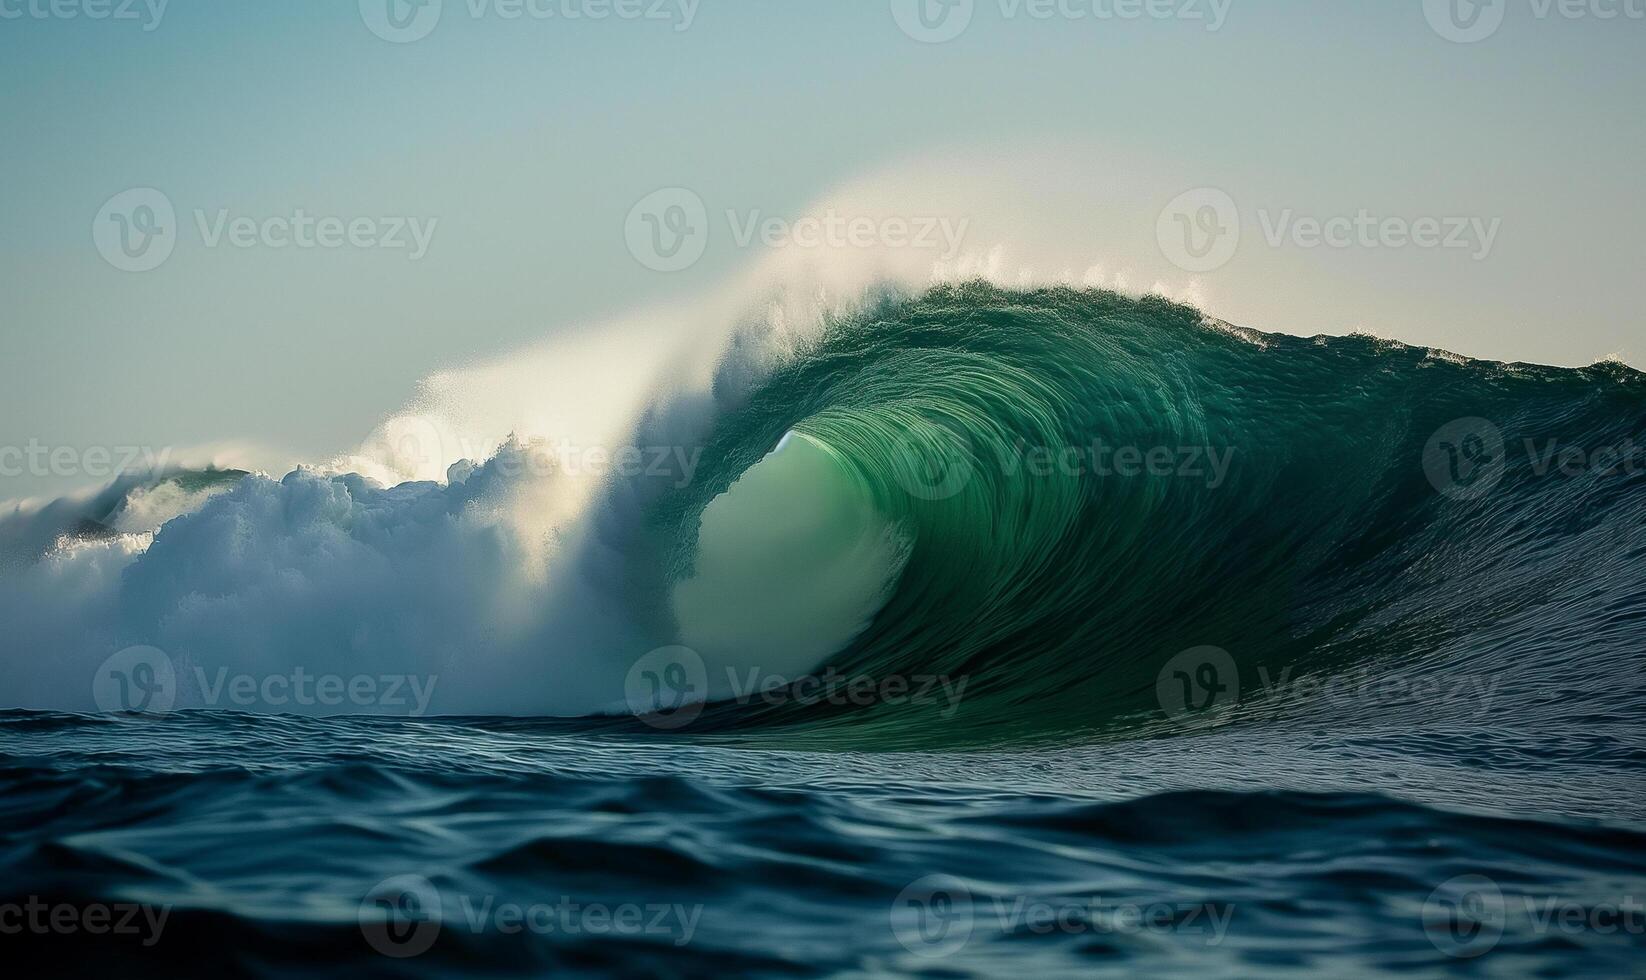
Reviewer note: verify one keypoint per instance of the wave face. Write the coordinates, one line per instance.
(1052, 509)
(1093, 484)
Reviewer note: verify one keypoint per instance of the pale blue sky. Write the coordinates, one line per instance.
(529, 140)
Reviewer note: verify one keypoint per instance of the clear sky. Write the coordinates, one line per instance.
(524, 142)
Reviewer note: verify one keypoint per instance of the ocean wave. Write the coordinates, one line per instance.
(1047, 493)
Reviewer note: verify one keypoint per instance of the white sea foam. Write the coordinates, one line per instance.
(437, 547)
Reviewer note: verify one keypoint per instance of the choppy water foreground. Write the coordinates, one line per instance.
(212, 842)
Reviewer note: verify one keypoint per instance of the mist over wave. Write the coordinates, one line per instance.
(488, 535)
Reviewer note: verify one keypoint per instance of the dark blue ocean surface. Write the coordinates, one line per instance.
(257, 844)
